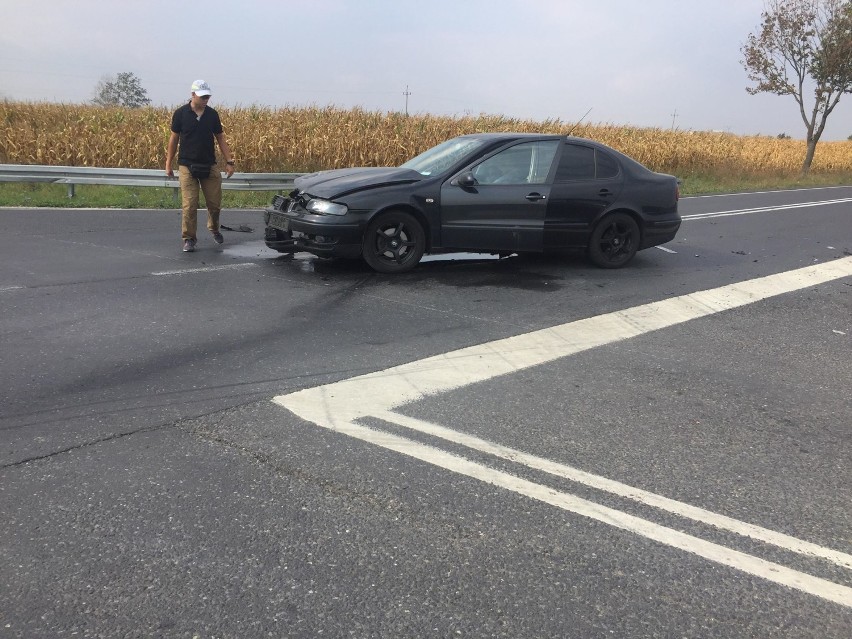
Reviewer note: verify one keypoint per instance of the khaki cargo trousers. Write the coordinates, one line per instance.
(189, 188)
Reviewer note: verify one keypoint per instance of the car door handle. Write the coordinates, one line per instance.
(534, 197)
(604, 192)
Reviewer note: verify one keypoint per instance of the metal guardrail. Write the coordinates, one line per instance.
(73, 175)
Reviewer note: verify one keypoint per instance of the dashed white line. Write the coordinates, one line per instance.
(3, 289)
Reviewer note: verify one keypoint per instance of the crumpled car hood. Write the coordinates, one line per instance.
(339, 182)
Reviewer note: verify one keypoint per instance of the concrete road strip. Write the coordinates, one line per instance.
(341, 405)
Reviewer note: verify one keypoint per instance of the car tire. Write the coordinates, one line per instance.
(394, 242)
(614, 241)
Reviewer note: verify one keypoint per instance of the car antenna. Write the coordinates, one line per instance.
(579, 121)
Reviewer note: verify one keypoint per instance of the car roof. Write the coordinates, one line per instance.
(532, 136)
(510, 136)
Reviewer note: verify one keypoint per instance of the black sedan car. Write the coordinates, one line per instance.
(500, 193)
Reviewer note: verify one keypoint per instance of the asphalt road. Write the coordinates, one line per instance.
(228, 443)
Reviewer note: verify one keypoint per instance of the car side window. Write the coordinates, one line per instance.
(527, 163)
(607, 167)
(577, 163)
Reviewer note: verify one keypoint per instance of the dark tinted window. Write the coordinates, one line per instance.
(576, 163)
(607, 166)
(584, 163)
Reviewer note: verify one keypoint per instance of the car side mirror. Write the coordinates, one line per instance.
(466, 180)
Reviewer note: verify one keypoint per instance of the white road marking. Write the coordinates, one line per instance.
(761, 209)
(714, 552)
(3, 289)
(383, 390)
(722, 522)
(340, 405)
(811, 188)
(667, 250)
(206, 269)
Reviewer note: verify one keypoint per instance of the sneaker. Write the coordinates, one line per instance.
(217, 237)
(188, 246)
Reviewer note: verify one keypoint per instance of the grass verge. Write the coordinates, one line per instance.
(702, 185)
(116, 197)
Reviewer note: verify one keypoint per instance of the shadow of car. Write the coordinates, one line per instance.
(499, 193)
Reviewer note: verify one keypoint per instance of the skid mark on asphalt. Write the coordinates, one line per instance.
(340, 406)
(207, 269)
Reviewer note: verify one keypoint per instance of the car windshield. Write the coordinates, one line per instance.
(440, 158)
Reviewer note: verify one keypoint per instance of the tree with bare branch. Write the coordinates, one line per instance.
(803, 46)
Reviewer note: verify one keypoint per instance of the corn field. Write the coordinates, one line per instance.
(306, 139)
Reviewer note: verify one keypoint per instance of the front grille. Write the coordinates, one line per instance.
(279, 203)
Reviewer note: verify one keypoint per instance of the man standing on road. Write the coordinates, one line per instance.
(194, 126)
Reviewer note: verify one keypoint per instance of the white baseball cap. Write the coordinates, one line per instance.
(200, 87)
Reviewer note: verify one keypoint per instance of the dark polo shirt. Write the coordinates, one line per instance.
(196, 135)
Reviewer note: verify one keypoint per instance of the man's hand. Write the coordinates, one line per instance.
(170, 171)
(229, 169)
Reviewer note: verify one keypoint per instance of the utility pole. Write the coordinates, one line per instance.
(674, 117)
(406, 94)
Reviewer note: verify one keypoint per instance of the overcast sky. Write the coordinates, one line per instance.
(647, 63)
